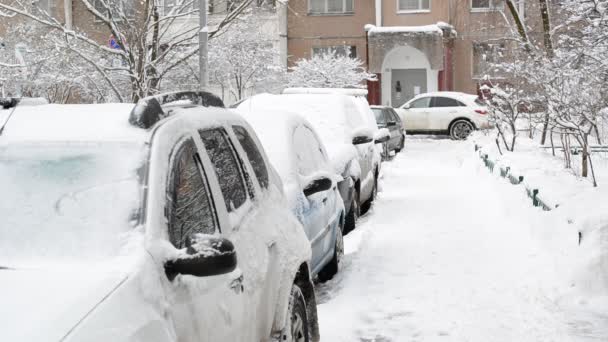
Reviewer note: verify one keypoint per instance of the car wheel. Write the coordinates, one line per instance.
(367, 205)
(353, 214)
(386, 154)
(298, 318)
(330, 270)
(401, 145)
(461, 129)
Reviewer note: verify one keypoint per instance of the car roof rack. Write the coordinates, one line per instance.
(8, 102)
(148, 111)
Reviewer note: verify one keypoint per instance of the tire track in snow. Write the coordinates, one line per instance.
(442, 257)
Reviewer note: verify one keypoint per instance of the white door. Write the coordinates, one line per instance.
(443, 111)
(249, 231)
(201, 308)
(417, 116)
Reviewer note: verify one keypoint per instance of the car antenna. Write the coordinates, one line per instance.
(6, 104)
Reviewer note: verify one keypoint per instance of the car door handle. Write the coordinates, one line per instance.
(236, 285)
(325, 200)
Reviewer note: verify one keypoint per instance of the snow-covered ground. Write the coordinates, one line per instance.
(451, 252)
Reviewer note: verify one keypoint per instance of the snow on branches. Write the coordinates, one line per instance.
(329, 70)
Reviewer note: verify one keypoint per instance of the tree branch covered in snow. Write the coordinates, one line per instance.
(151, 42)
(329, 70)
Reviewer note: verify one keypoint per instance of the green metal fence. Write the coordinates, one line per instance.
(506, 172)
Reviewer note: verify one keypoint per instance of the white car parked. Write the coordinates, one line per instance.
(159, 222)
(456, 114)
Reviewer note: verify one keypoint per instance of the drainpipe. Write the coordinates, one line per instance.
(67, 10)
(378, 12)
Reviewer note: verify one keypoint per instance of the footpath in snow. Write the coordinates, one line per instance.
(450, 253)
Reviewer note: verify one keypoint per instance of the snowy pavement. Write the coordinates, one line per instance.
(448, 253)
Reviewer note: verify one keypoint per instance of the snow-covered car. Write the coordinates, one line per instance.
(161, 221)
(346, 133)
(309, 181)
(456, 114)
(386, 117)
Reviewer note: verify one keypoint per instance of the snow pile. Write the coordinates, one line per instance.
(577, 230)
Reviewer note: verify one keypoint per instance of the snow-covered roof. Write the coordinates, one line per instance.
(335, 117)
(431, 29)
(99, 122)
(343, 91)
(427, 29)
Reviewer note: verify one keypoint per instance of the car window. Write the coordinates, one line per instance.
(387, 116)
(446, 102)
(310, 157)
(190, 206)
(394, 115)
(378, 113)
(227, 167)
(424, 102)
(253, 154)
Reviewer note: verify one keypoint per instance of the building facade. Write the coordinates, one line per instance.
(414, 46)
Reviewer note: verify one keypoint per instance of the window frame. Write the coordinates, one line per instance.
(490, 8)
(326, 12)
(458, 103)
(346, 47)
(247, 164)
(163, 8)
(237, 152)
(430, 99)
(419, 10)
(170, 185)
(130, 15)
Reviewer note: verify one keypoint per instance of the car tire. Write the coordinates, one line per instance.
(397, 150)
(461, 129)
(386, 152)
(368, 204)
(330, 270)
(298, 325)
(350, 223)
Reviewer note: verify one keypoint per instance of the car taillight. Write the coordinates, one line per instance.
(481, 111)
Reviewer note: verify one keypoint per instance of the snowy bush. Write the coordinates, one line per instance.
(329, 70)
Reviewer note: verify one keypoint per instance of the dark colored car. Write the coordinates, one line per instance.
(386, 117)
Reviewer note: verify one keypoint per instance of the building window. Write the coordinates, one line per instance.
(338, 50)
(45, 6)
(486, 55)
(413, 5)
(117, 8)
(330, 6)
(178, 6)
(486, 5)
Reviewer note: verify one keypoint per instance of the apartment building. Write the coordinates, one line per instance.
(414, 46)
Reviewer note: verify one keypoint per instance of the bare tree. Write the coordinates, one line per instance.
(151, 41)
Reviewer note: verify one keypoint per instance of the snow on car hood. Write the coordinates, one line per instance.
(44, 305)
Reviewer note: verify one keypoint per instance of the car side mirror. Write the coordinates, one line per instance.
(362, 139)
(406, 106)
(318, 185)
(391, 124)
(205, 256)
(382, 135)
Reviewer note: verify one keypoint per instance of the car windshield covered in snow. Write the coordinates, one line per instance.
(68, 201)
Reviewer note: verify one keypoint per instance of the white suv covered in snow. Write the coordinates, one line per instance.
(159, 222)
(456, 114)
